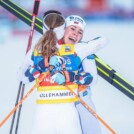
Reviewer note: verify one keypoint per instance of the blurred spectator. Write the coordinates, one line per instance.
(96, 5)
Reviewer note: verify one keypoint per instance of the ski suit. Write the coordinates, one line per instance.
(83, 113)
(56, 112)
(89, 123)
(85, 51)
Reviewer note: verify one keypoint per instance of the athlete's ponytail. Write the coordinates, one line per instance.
(47, 43)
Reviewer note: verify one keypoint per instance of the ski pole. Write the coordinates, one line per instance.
(16, 106)
(41, 77)
(34, 14)
(22, 86)
(85, 105)
(17, 99)
(18, 117)
(92, 111)
(82, 102)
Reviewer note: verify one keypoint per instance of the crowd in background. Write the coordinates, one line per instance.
(90, 10)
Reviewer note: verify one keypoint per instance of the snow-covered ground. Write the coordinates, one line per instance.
(112, 106)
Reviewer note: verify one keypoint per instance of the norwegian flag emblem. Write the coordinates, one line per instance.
(76, 22)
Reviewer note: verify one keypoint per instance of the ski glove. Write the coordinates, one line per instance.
(59, 78)
(82, 78)
(32, 73)
(41, 66)
(56, 62)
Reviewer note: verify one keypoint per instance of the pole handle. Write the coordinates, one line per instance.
(36, 7)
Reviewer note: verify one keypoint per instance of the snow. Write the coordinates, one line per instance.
(115, 108)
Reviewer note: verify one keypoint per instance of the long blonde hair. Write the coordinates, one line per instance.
(46, 45)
